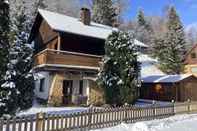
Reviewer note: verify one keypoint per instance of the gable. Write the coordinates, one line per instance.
(191, 56)
(46, 33)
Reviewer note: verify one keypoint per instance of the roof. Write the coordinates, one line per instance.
(64, 23)
(165, 78)
(138, 43)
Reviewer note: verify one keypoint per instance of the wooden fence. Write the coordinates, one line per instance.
(94, 118)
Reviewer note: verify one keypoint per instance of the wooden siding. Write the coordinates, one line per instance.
(66, 58)
(181, 91)
(96, 97)
(46, 32)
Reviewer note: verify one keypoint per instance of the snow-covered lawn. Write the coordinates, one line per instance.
(176, 123)
(51, 110)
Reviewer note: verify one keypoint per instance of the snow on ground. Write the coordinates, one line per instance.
(37, 108)
(51, 110)
(186, 122)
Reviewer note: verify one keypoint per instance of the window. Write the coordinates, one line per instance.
(42, 85)
(56, 46)
(193, 55)
(81, 87)
(194, 70)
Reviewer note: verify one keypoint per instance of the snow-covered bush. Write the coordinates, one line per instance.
(119, 75)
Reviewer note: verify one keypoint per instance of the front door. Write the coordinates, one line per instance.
(67, 91)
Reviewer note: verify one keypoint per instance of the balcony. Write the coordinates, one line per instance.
(65, 59)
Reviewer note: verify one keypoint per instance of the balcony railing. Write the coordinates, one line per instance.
(66, 59)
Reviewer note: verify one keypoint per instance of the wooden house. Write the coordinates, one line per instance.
(190, 61)
(68, 52)
(68, 55)
(169, 87)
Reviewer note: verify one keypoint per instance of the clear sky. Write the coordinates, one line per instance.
(187, 9)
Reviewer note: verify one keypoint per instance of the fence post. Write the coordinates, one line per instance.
(188, 106)
(173, 107)
(39, 121)
(90, 118)
(154, 108)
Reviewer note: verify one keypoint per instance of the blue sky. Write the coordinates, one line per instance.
(187, 9)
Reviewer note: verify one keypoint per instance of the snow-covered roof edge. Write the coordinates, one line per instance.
(165, 78)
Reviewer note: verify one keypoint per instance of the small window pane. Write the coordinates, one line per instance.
(81, 87)
(42, 84)
(194, 69)
(193, 55)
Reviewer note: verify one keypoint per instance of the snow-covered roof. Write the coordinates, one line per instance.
(64, 23)
(165, 78)
(73, 25)
(138, 43)
(149, 66)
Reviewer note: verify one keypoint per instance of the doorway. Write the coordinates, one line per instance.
(67, 91)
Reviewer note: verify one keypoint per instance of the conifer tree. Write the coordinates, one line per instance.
(173, 45)
(143, 31)
(4, 35)
(120, 72)
(4, 45)
(18, 86)
(104, 12)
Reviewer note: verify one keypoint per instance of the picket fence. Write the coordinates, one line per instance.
(95, 118)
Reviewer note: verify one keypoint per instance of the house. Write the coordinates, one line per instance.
(169, 87)
(190, 61)
(68, 55)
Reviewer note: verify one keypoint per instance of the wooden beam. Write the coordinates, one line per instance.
(59, 42)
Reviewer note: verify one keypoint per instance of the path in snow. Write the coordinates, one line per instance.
(175, 123)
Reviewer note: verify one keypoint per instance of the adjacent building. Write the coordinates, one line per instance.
(169, 87)
(190, 61)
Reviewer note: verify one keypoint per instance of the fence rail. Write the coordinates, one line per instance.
(95, 118)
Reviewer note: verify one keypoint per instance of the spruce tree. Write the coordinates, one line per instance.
(104, 12)
(4, 36)
(120, 72)
(18, 86)
(4, 45)
(143, 31)
(174, 45)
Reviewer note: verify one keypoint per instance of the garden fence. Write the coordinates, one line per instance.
(95, 118)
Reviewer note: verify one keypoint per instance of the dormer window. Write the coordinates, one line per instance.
(193, 55)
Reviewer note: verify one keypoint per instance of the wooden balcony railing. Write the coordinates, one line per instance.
(65, 58)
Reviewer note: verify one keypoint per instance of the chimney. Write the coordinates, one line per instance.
(85, 16)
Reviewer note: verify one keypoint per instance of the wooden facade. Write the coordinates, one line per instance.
(60, 54)
(179, 91)
(190, 61)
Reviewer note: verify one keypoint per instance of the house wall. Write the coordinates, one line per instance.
(182, 91)
(191, 61)
(189, 89)
(159, 91)
(38, 76)
(45, 38)
(96, 96)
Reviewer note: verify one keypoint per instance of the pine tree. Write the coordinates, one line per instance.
(104, 12)
(174, 45)
(120, 72)
(143, 31)
(18, 86)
